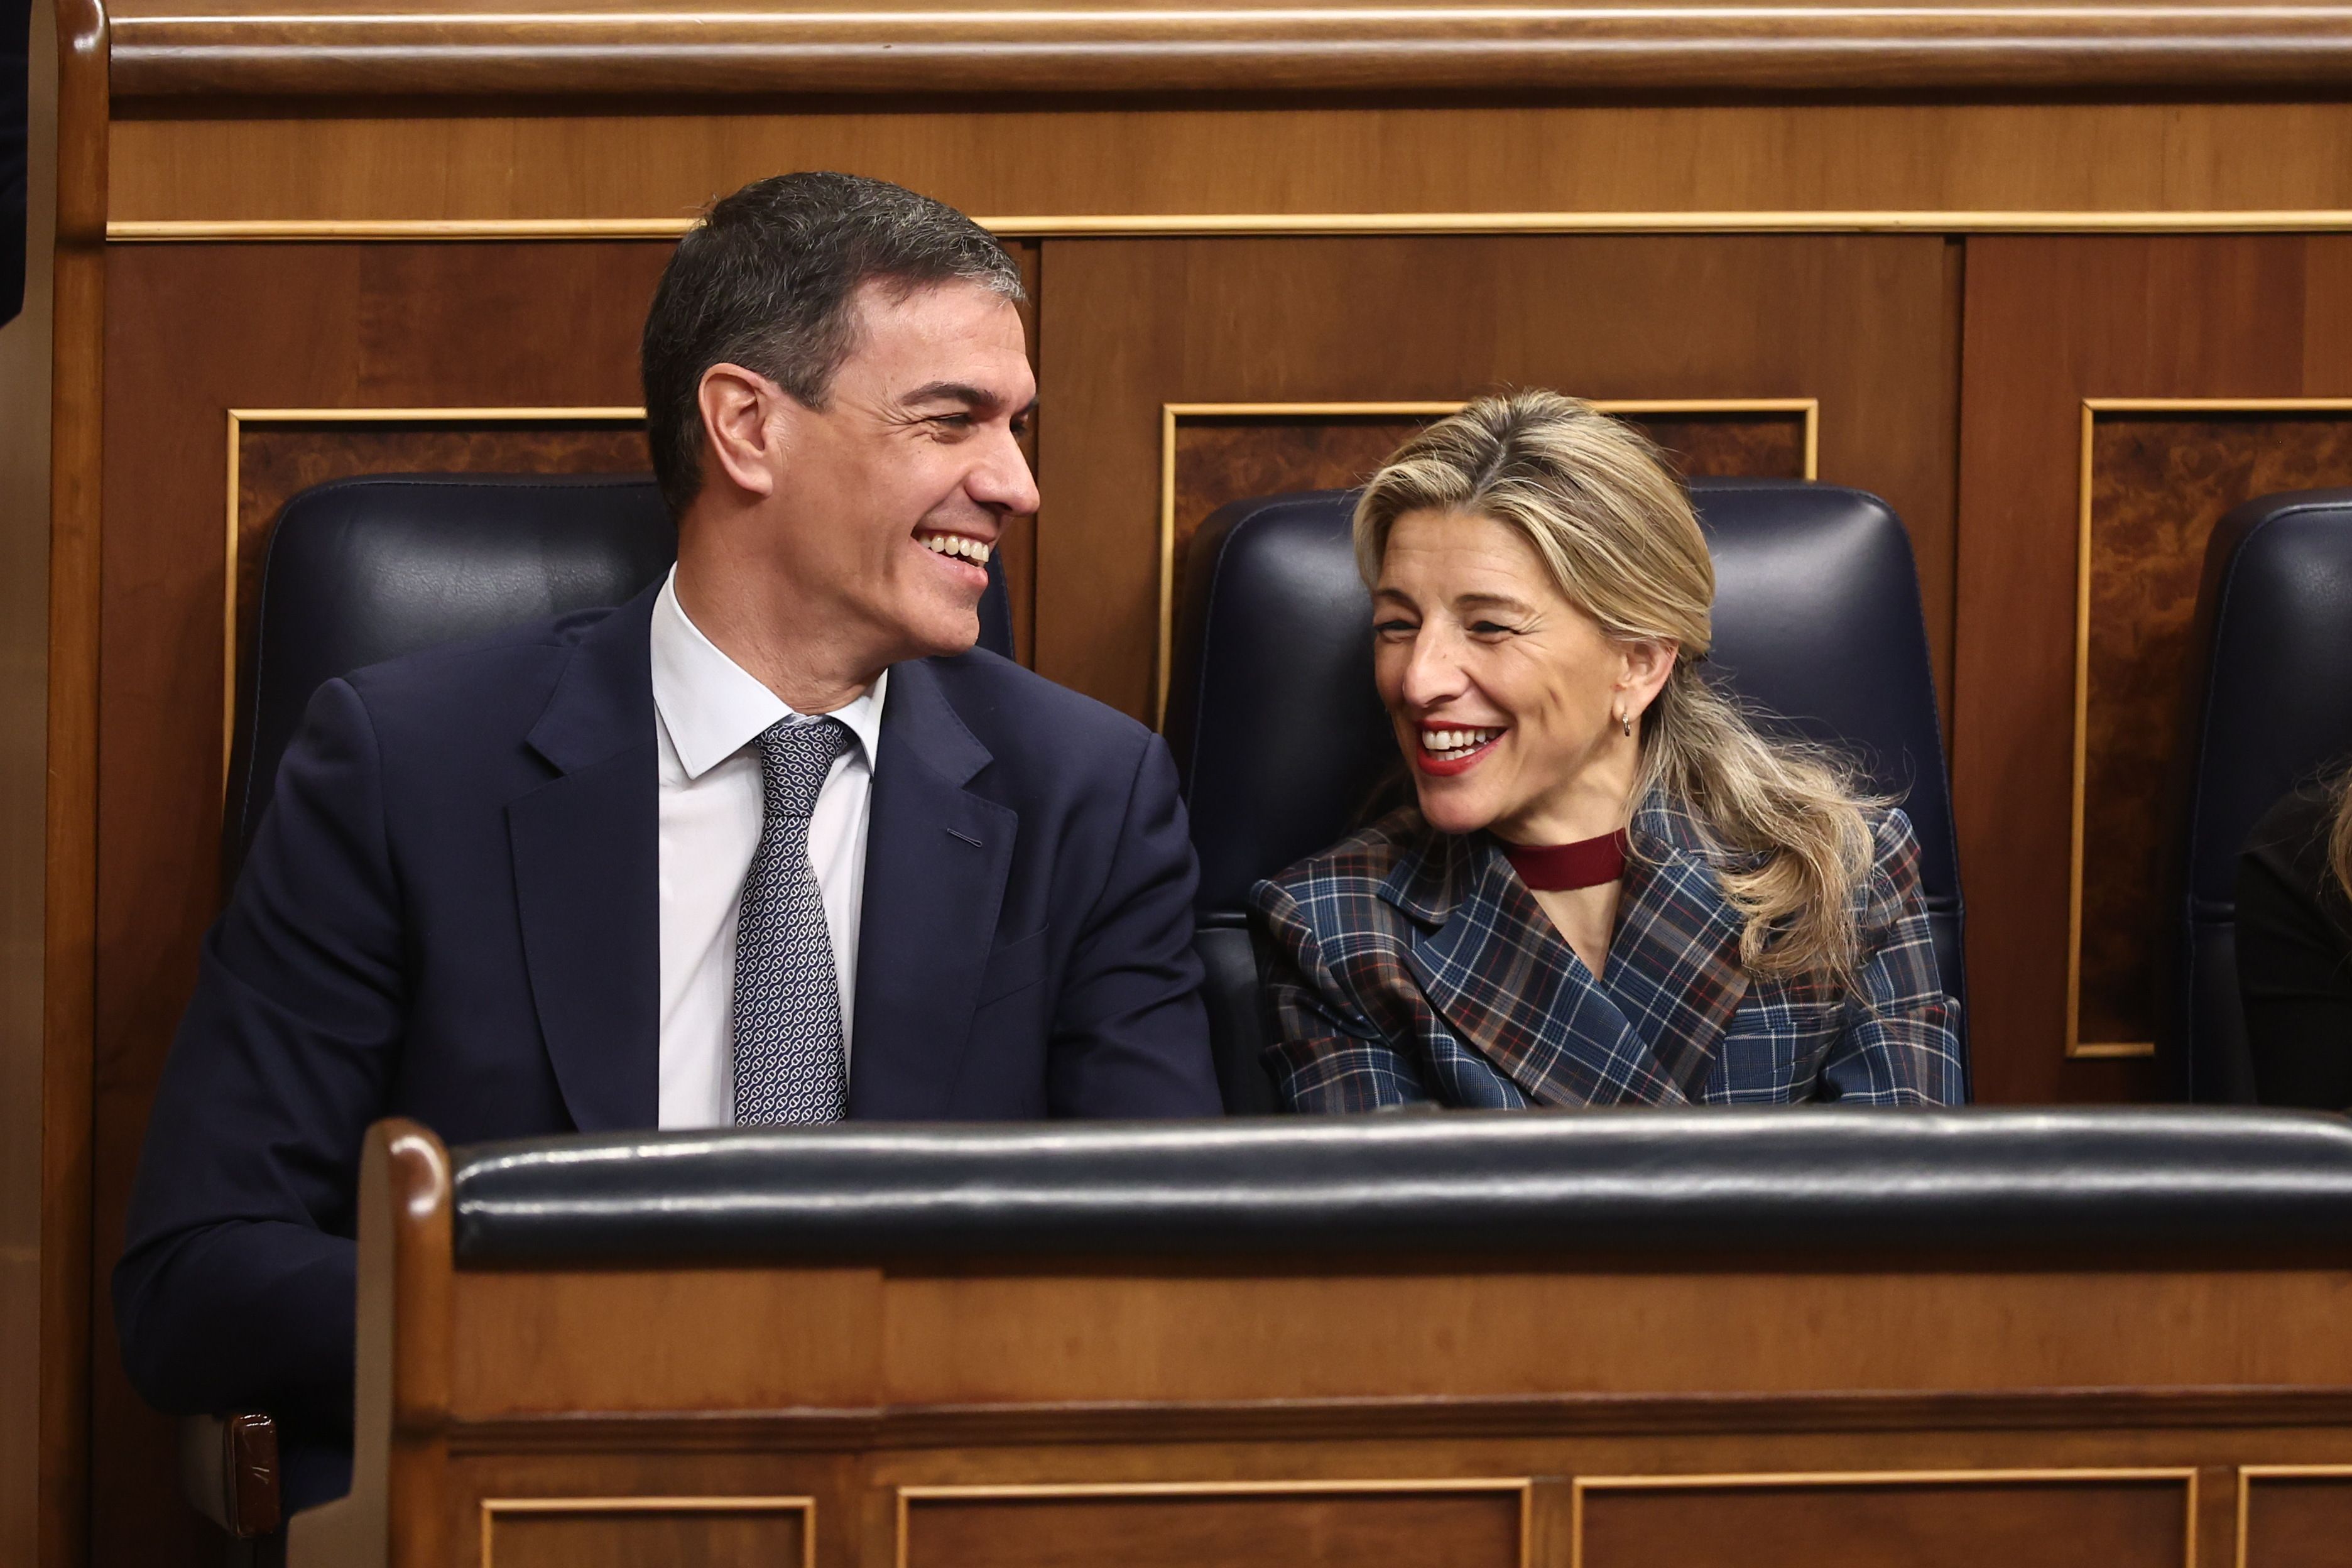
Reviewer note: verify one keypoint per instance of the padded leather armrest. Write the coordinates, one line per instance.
(2067, 1187)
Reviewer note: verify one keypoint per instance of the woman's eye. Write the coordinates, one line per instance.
(1391, 628)
(1490, 629)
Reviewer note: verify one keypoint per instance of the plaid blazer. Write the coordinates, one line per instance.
(1409, 966)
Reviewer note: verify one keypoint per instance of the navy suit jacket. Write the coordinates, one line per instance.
(450, 913)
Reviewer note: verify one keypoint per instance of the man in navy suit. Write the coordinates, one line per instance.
(771, 844)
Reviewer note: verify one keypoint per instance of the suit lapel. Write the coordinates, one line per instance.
(1499, 975)
(936, 858)
(587, 871)
(1674, 964)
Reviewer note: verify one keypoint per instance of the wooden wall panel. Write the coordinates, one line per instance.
(2051, 322)
(1271, 1529)
(2047, 1521)
(2159, 482)
(25, 391)
(1148, 158)
(2295, 1520)
(190, 333)
(647, 1532)
(1129, 325)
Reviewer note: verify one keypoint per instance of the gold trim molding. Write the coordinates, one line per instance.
(238, 418)
(1521, 1485)
(2078, 1049)
(2186, 1474)
(1172, 413)
(805, 1507)
(149, 231)
(2248, 1474)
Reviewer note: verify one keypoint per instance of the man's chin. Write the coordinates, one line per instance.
(943, 634)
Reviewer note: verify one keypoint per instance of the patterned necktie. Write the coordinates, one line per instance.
(789, 1068)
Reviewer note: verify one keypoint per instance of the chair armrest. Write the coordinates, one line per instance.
(228, 1471)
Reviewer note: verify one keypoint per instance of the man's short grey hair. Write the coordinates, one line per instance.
(766, 280)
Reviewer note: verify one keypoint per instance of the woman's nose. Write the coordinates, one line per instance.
(1433, 673)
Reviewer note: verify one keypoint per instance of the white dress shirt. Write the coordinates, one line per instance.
(707, 712)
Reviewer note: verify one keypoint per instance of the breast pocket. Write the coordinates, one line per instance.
(1014, 966)
(1772, 1049)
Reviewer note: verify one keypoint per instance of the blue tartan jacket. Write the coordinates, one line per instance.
(1406, 965)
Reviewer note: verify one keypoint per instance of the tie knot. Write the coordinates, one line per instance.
(795, 754)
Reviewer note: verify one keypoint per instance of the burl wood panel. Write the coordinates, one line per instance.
(2297, 1522)
(2158, 484)
(2016, 1524)
(2050, 322)
(1868, 325)
(1225, 457)
(276, 462)
(651, 1536)
(1307, 1529)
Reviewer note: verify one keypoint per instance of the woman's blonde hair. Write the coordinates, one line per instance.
(2339, 836)
(1617, 532)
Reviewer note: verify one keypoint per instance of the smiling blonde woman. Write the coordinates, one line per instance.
(1612, 887)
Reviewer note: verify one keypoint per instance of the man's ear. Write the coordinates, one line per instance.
(738, 425)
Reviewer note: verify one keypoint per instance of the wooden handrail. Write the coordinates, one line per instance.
(166, 48)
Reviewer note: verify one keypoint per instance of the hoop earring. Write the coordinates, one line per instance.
(1626, 719)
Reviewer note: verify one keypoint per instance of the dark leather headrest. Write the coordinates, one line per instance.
(2067, 1187)
(2271, 707)
(363, 570)
(2275, 634)
(1279, 737)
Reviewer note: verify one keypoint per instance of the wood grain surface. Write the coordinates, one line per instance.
(166, 47)
(2051, 1522)
(69, 882)
(2158, 484)
(1403, 1529)
(647, 1534)
(1740, 162)
(2297, 1521)
(2051, 322)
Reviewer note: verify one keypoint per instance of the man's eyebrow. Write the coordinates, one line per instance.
(961, 392)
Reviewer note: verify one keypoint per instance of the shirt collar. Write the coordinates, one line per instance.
(713, 707)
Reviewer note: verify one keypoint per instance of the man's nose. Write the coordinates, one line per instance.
(1003, 480)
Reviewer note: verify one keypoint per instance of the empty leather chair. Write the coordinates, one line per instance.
(1280, 740)
(363, 570)
(2272, 675)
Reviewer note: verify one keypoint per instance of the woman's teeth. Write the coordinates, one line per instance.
(955, 544)
(1451, 745)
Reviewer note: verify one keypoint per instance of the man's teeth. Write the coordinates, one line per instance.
(1449, 742)
(955, 544)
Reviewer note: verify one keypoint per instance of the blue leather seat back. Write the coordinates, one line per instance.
(1280, 739)
(363, 570)
(2272, 654)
